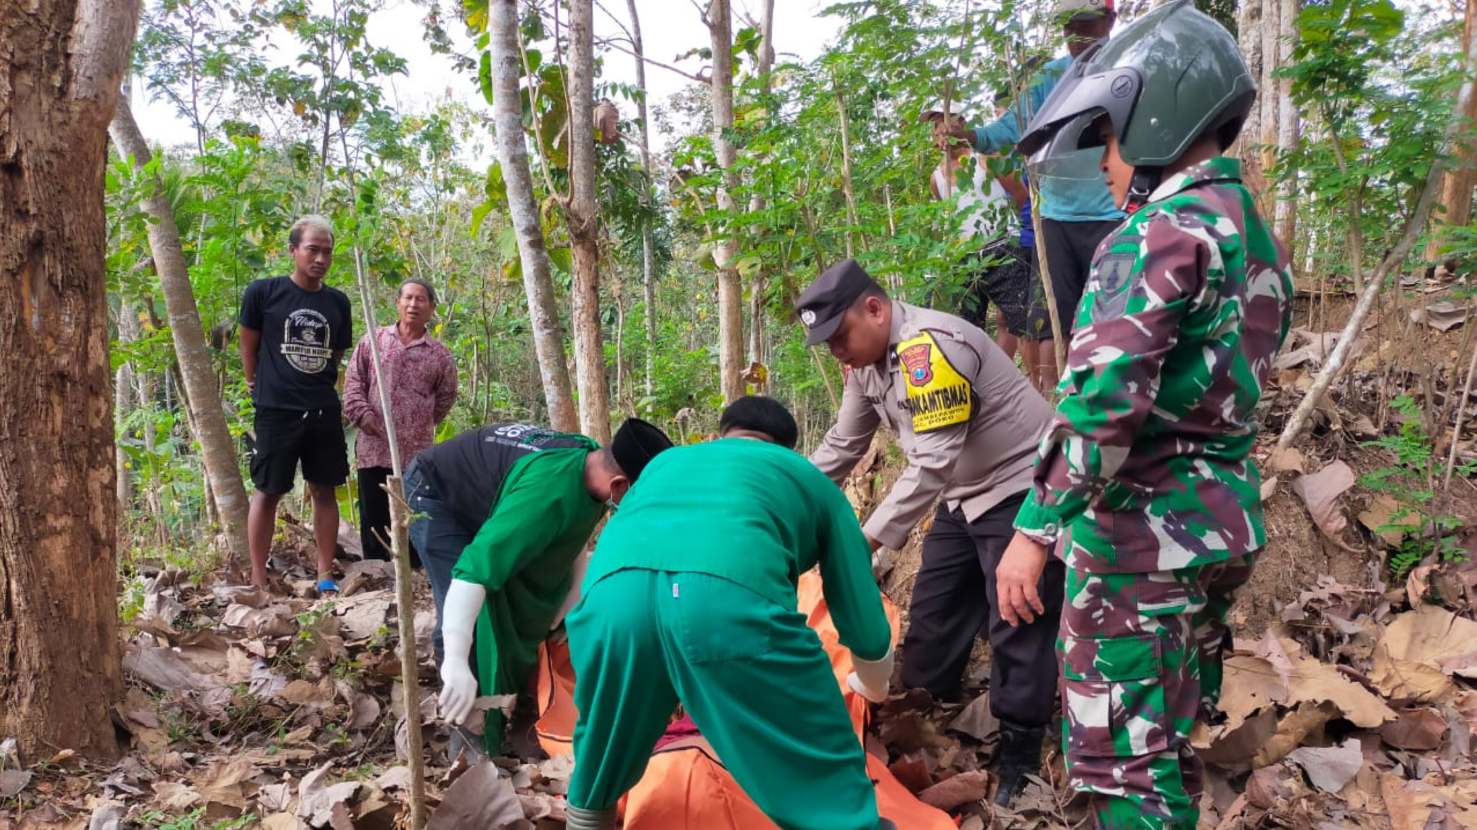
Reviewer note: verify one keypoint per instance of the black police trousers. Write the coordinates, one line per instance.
(954, 601)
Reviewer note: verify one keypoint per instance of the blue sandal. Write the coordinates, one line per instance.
(327, 586)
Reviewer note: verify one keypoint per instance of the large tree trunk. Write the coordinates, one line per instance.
(512, 153)
(61, 62)
(203, 396)
(730, 292)
(648, 279)
(1456, 192)
(584, 226)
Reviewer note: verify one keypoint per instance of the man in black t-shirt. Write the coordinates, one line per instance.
(294, 330)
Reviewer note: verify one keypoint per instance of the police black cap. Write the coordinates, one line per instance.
(823, 304)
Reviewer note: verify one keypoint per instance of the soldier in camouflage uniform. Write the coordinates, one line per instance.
(1144, 474)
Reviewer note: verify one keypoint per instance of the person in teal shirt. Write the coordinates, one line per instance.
(508, 583)
(1077, 212)
(690, 598)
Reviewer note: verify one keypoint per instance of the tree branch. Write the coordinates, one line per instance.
(618, 47)
(1392, 260)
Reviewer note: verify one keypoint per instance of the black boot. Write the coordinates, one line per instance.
(1018, 755)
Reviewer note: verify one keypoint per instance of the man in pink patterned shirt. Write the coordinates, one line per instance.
(422, 379)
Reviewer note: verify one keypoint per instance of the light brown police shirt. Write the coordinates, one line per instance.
(967, 419)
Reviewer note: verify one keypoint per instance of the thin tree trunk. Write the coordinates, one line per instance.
(757, 204)
(1456, 194)
(61, 63)
(123, 404)
(584, 227)
(1287, 127)
(203, 397)
(400, 549)
(730, 291)
(512, 153)
(1249, 32)
(846, 188)
(1393, 260)
(648, 281)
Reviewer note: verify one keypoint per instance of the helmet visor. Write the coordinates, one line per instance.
(1112, 92)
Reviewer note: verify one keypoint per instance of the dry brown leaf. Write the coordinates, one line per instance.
(1250, 683)
(396, 777)
(1315, 681)
(227, 783)
(163, 668)
(961, 789)
(1235, 747)
(272, 621)
(1408, 680)
(1287, 460)
(172, 795)
(316, 799)
(1330, 768)
(12, 781)
(312, 695)
(1442, 316)
(481, 798)
(1407, 803)
(282, 821)
(1269, 487)
(1292, 730)
(1419, 729)
(274, 798)
(1430, 634)
(975, 720)
(1381, 514)
(363, 615)
(1320, 492)
(911, 771)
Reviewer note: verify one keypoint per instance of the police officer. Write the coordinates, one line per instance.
(1145, 474)
(968, 422)
(504, 511)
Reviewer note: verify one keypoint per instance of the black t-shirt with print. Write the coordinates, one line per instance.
(300, 332)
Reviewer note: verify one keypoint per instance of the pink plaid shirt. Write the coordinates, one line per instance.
(422, 380)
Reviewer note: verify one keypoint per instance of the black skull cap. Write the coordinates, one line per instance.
(635, 444)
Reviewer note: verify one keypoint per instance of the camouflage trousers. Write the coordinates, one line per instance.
(1141, 660)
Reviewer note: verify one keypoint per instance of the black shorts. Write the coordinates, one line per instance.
(1069, 249)
(285, 436)
(1006, 283)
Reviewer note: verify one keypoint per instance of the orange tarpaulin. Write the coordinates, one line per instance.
(686, 786)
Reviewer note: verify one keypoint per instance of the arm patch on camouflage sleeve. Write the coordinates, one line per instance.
(1111, 280)
(938, 395)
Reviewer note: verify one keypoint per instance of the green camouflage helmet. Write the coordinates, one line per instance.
(1165, 80)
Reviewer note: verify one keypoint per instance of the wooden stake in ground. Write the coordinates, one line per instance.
(400, 545)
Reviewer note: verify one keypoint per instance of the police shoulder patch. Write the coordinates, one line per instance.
(937, 394)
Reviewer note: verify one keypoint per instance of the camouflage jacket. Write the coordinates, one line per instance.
(1145, 467)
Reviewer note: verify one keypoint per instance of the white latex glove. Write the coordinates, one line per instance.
(870, 678)
(464, 601)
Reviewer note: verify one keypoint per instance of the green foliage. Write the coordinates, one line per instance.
(193, 820)
(1410, 480)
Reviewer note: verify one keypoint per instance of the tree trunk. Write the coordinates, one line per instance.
(144, 392)
(757, 204)
(61, 62)
(1456, 193)
(648, 283)
(730, 292)
(512, 153)
(1267, 135)
(122, 405)
(1249, 32)
(584, 226)
(200, 391)
(1288, 127)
